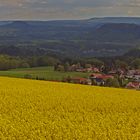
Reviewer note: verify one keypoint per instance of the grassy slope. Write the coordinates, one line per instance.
(32, 109)
(44, 72)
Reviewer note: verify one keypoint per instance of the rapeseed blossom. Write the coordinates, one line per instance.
(58, 111)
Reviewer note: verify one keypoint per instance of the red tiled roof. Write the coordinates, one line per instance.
(96, 74)
(105, 76)
(101, 76)
(133, 84)
(79, 78)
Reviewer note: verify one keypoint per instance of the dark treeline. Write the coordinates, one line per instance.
(110, 63)
(124, 62)
(71, 64)
(10, 62)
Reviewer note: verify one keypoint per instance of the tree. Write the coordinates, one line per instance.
(32, 61)
(51, 61)
(78, 65)
(112, 82)
(60, 68)
(121, 64)
(88, 65)
(66, 66)
(28, 76)
(68, 79)
(136, 63)
(42, 61)
(95, 62)
(25, 65)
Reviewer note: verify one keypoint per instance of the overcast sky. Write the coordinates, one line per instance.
(67, 9)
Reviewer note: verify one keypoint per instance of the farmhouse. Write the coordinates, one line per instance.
(133, 72)
(100, 79)
(133, 85)
(112, 72)
(95, 70)
(79, 80)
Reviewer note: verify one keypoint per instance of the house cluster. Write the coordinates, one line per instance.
(133, 74)
(100, 75)
(133, 85)
(93, 79)
(81, 69)
(100, 79)
(131, 78)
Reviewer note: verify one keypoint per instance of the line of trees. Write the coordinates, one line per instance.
(122, 62)
(72, 65)
(10, 62)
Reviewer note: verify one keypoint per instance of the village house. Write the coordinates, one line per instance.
(80, 70)
(79, 80)
(100, 79)
(112, 72)
(133, 74)
(133, 85)
(136, 77)
(96, 70)
(91, 69)
(72, 67)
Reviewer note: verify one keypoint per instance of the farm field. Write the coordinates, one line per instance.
(31, 109)
(42, 72)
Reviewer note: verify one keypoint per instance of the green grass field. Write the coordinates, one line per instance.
(42, 72)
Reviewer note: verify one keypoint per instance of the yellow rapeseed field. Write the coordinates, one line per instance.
(40, 110)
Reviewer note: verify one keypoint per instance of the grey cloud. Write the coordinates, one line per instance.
(61, 9)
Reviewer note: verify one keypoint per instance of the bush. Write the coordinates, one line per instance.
(112, 83)
(25, 65)
(28, 76)
(40, 78)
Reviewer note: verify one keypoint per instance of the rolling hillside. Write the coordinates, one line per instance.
(92, 37)
(47, 110)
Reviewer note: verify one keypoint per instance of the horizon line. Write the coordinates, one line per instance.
(98, 17)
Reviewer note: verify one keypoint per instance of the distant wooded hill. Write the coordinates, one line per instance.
(97, 37)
